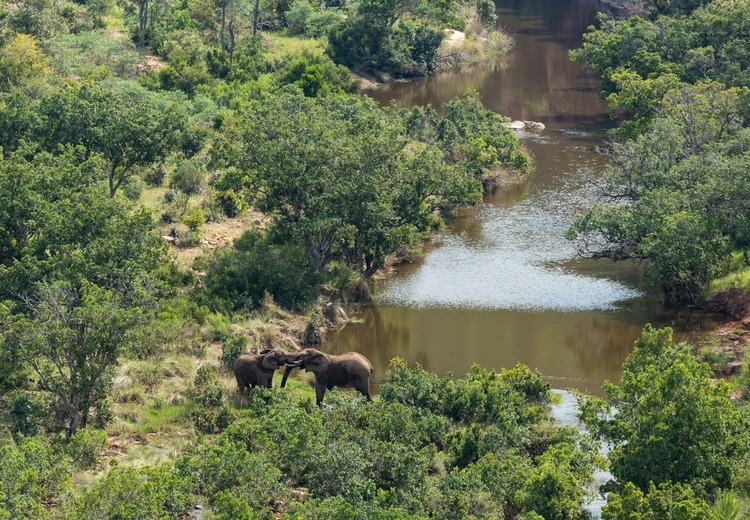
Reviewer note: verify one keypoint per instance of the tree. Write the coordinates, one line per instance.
(188, 178)
(676, 194)
(668, 421)
(72, 338)
(23, 65)
(341, 176)
(78, 275)
(129, 126)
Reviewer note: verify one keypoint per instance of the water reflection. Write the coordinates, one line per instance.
(502, 285)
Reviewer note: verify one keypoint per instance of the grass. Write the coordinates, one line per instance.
(739, 277)
(280, 44)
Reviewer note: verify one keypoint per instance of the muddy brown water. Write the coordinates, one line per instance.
(502, 285)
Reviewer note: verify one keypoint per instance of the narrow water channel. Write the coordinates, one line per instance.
(502, 285)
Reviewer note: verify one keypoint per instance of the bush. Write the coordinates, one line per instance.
(155, 176)
(24, 411)
(233, 347)
(194, 219)
(32, 474)
(341, 469)
(316, 75)
(87, 446)
(238, 276)
(298, 15)
(231, 468)
(130, 493)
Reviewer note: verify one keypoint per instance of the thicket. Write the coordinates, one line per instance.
(677, 193)
(482, 447)
(679, 443)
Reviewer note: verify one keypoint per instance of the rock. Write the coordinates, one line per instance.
(732, 368)
(516, 125)
(257, 222)
(534, 125)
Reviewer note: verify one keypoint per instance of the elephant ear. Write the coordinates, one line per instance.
(315, 361)
(270, 361)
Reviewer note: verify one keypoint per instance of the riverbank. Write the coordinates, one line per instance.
(457, 50)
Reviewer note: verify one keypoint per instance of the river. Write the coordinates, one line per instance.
(502, 285)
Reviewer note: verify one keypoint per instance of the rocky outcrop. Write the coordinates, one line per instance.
(526, 125)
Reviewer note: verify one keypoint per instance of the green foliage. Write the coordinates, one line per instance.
(69, 255)
(482, 397)
(226, 469)
(86, 447)
(233, 347)
(130, 493)
(316, 75)
(24, 411)
(93, 55)
(671, 422)
(373, 41)
(359, 209)
(188, 179)
(23, 65)
(677, 195)
(237, 277)
(554, 489)
(129, 126)
(31, 473)
(667, 501)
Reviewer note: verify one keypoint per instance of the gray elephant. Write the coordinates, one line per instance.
(253, 370)
(344, 370)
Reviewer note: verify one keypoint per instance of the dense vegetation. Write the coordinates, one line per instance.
(677, 195)
(128, 126)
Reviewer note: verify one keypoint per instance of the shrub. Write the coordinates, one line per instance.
(130, 493)
(24, 411)
(155, 176)
(87, 446)
(237, 277)
(667, 501)
(233, 347)
(194, 219)
(32, 473)
(230, 505)
(230, 467)
(316, 75)
(415, 387)
(341, 469)
(298, 15)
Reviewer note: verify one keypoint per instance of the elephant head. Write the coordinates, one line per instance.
(309, 359)
(252, 370)
(273, 358)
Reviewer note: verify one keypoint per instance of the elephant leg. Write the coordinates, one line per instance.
(240, 386)
(364, 389)
(320, 391)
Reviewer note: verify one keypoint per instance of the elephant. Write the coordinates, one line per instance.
(253, 370)
(347, 370)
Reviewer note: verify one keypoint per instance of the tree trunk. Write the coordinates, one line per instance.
(255, 18)
(142, 21)
(231, 45)
(223, 24)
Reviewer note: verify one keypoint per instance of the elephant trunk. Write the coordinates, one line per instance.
(288, 370)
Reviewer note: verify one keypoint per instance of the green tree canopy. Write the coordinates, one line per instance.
(669, 421)
(129, 126)
(78, 273)
(341, 175)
